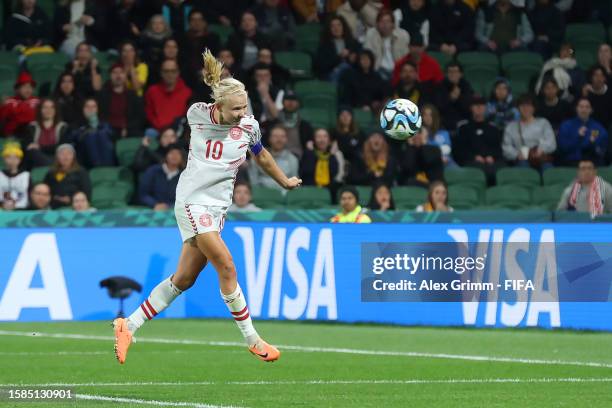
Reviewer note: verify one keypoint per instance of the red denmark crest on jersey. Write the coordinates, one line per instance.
(205, 220)
(235, 133)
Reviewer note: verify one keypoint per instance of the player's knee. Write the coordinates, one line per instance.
(226, 269)
(183, 282)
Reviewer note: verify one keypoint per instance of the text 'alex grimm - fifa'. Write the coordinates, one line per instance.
(458, 265)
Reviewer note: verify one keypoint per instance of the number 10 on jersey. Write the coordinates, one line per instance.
(217, 149)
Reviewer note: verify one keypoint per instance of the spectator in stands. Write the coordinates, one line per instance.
(119, 106)
(195, 40)
(600, 95)
(80, 202)
(307, 11)
(245, 42)
(226, 13)
(136, 71)
(84, 68)
(588, 193)
(420, 162)
(127, 20)
(28, 26)
(44, 134)
(152, 40)
(529, 141)
(547, 23)
(436, 135)
(337, 49)
(381, 198)
(94, 138)
(387, 42)
(360, 15)
(40, 197)
(551, 106)
(66, 177)
(166, 101)
(276, 21)
(281, 76)
(229, 62)
(319, 166)
(17, 111)
(287, 162)
(604, 59)
(413, 16)
(565, 71)
(502, 27)
(170, 51)
(351, 211)
(455, 96)
(176, 13)
(241, 200)
(409, 86)
(428, 68)
(299, 131)
(79, 21)
(478, 142)
(68, 100)
(374, 164)
(452, 27)
(14, 183)
(363, 87)
(437, 199)
(157, 188)
(265, 97)
(347, 134)
(582, 137)
(500, 109)
(145, 157)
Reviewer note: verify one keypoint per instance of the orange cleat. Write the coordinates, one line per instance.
(264, 352)
(123, 339)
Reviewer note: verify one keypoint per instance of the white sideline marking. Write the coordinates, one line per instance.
(321, 349)
(327, 382)
(149, 402)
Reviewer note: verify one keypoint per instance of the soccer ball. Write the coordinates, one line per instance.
(400, 119)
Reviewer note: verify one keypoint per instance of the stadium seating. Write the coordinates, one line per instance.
(467, 176)
(365, 120)
(547, 197)
(476, 58)
(580, 31)
(38, 174)
(308, 197)
(518, 176)
(318, 117)
(605, 173)
(510, 197)
(108, 196)
(7, 87)
(298, 63)
(222, 31)
(54, 59)
(408, 198)
(315, 87)
(559, 175)
(307, 37)
(442, 58)
(511, 60)
(323, 101)
(109, 175)
(264, 197)
(126, 149)
(463, 197)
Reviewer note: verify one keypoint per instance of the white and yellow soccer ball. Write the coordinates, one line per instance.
(400, 119)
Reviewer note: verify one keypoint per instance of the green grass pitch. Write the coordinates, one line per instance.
(201, 363)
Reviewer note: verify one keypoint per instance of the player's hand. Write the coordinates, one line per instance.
(293, 183)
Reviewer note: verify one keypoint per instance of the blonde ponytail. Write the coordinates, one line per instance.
(221, 88)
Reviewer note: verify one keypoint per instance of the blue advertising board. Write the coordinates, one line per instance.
(287, 270)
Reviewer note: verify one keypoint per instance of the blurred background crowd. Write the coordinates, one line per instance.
(514, 96)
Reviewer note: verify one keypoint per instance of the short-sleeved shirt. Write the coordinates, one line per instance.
(215, 153)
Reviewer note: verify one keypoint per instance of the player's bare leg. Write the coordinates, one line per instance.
(216, 251)
(190, 264)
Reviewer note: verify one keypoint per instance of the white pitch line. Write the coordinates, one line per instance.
(544, 380)
(309, 349)
(149, 402)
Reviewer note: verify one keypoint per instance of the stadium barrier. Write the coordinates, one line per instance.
(288, 271)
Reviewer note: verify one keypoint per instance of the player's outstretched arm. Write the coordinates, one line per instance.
(265, 160)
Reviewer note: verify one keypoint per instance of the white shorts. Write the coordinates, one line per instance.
(194, 219)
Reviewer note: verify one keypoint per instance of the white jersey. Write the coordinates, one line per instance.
(215, 154)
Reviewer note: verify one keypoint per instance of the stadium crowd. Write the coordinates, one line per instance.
(130, 69)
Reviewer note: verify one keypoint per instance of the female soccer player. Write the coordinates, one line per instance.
(221, 133)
